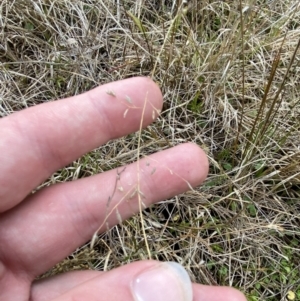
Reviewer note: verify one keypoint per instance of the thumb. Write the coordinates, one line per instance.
(139, 281)
(143, 280)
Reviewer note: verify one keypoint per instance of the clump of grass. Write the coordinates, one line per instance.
(229, 73)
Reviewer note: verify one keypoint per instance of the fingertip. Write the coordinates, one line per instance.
(165, 281)
(199, 155)
(139, 88)
(196, 161)
(153, 91)
(146, 94)
(152, 84)
(216, 293)
(237, 295)
(134, 99)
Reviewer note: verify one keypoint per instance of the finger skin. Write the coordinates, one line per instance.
(216, 293)
(50, 288)
(37, 141)
(52, 223)
(115, 285)
(14, 287)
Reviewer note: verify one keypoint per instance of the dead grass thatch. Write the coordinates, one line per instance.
(230, 75)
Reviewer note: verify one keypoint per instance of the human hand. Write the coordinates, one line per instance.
(38, 230)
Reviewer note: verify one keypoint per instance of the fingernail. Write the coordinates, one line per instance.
(167, 281)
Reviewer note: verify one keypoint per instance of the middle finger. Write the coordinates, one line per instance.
(52, 223)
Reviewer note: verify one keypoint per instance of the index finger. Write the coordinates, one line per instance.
(38, 141)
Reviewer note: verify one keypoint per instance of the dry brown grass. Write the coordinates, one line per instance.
(230, 76)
